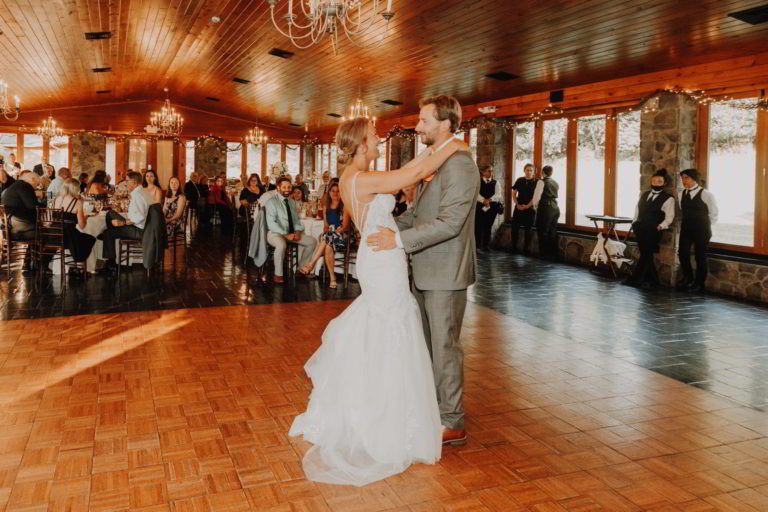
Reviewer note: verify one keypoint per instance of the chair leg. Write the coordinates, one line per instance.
(119, 258)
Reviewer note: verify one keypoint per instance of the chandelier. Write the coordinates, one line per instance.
(359, 109)
(332, 17)
(256, 136)
(49, 129)
(167, 122)
(9, 112)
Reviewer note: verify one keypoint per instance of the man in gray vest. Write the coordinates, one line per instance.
(439, 234)
(547, 213)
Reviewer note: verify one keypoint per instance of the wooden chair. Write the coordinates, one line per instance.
(125, 249)
(245, 223)
(179, 237)
(49, 239)
(8, 247)
(347, 257)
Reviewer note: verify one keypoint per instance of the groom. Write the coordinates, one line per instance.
(439, 234)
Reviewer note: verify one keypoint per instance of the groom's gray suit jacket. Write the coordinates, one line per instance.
(439, 230)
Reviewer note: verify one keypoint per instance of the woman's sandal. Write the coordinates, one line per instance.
(332, 285)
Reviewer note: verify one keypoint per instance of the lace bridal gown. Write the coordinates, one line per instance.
(373, 410)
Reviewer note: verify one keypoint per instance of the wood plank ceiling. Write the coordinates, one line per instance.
(431, 47)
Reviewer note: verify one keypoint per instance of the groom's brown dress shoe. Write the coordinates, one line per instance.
(454, 436)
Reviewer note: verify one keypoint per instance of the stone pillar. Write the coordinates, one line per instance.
(492, 150)
(668, 140)
(89, 153)
(210, 159)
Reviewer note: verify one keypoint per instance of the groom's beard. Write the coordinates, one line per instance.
(427, 140)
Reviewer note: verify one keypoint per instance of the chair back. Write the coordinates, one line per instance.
(5, 230)
(49, 233)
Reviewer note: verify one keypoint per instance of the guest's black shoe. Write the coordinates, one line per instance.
(695, 288)
(630, 282)
(684, 285)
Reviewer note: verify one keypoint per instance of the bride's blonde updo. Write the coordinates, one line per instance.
(349, 136)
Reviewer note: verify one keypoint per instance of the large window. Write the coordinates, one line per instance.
(628, 163)
(334, 160)
(292, 158)
(473, 142)
(137, 154)
(33, 151)
(381, 162)
(254, 159)
(189, 157)
(732, 173)
(7, 146)
(234, 160)
(58, 153)
(523, 148)
(273, 155)
(110, 158)
(555, 143)
(590, 169)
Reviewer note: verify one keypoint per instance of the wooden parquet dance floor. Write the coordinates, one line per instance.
(188, 410)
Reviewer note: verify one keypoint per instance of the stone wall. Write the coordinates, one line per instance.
(89, 153)
(209, 159)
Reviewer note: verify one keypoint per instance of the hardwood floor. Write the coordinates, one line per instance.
(189, 409)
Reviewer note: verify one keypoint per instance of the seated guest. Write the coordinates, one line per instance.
(297, 193)
(64, 175)
(303, 186)
(191, 192)
(122, 187)
(174, 205)
(547, 213)
(488, 206)
(219, 202)
(6, 180)
(202, 202)
(332, 240)
(284, 226)
(83, 178)
(404, 200)
(524, 214)
(131, 228)
(654, 212)
(16, 171)
(699, 213)
(250, 194)
(21, 202)
(150, 185)
(98, 184)
(68, 199)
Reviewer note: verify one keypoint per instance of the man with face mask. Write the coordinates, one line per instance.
(488, 206)
(654, 213)
(524, 214)
(699, 213)
(284, 226)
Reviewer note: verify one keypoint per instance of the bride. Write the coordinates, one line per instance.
(373, 410)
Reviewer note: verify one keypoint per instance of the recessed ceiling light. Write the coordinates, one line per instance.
(215, 19)
(502, 76)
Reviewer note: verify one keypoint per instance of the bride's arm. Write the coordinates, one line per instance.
(370, 183)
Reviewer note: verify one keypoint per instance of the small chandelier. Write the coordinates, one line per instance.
(359, 109)
(49, 129)
(167, 122)
(321, 17)
(9, 112)
(256, 136)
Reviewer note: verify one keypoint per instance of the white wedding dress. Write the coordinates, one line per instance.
(373, 410)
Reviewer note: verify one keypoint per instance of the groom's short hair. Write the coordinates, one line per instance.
(446, 107)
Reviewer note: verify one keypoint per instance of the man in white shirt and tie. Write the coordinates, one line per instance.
(699, 214)
(131, 228)
(654, 213)
(53, 188)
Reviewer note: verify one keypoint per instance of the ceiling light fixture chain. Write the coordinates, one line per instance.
(328, 17)
(11, 113)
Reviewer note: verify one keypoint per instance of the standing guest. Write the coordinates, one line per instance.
(21, 201)
(68, 199)
(131, 228)
(547, 213)
(98, 184)
(488, 206)
(250, 194)
(699, 214)
(16, 170)
(323, 188)
(524, 214)
(150, 184)
(50, 172)
(284, 226)
(53, 188)
(83, 179)
(13, 161)
(173, 207)
(654, 213)
(219, 202)
(332, 240)
(303, 186)
(191, 192)
(202, 203)
(6, 180)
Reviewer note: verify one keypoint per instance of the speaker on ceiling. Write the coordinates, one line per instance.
(556, 96)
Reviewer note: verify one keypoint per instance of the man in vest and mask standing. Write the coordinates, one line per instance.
(488, 206)
(654, 213)
(699, 214)
(547, 213)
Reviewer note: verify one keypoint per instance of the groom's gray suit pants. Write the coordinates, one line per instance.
(442, 313)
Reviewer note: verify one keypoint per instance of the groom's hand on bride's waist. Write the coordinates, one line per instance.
(383, 240)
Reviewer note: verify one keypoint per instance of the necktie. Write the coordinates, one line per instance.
(290, 217)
